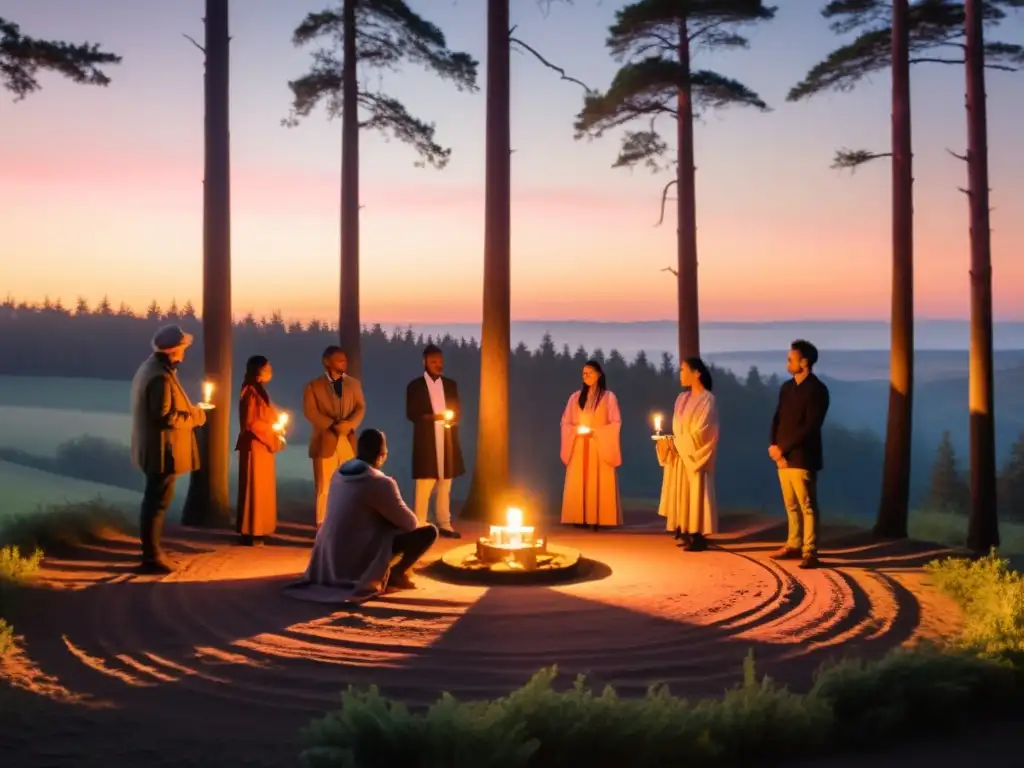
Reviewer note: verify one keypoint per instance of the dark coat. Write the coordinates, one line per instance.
(796, 426)
(421, 413)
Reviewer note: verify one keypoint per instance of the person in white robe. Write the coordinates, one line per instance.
(688, 455)
(591, 453)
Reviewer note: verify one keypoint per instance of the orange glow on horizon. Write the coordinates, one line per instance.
(577, 252)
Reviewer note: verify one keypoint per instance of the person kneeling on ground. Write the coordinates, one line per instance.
(369, 539)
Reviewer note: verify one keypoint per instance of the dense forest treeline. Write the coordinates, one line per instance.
(109, 343)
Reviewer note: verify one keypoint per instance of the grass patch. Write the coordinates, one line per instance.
(991, 594)
(940, 528)
(50, 529)
(15, 569)
(60, 527)
(951, 529)
(851, 706)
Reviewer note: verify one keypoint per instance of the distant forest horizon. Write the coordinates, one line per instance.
(194, 309)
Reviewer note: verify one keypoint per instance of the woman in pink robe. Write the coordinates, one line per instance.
(591, 453)
(688, 501)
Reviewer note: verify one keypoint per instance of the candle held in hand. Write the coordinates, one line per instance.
(449, 417)
(207, 403)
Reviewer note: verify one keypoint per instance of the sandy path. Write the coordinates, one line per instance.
(213, 665)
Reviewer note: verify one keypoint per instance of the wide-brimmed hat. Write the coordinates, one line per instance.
(170, 337)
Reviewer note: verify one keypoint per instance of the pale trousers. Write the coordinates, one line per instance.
(800, 495)
(442, 502)
(323, 471)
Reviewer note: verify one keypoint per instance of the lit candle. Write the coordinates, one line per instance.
(514, 518)
(449, 417)
(282, 422)
(208, 392)
(582, 430)
(657, 423)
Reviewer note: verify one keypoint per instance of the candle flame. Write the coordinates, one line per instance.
(657, 422)
(282, 422)
(207, 391)
(514, 518)
(449, 415)
(582, 430)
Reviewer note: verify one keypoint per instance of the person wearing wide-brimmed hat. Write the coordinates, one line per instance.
(163, 445)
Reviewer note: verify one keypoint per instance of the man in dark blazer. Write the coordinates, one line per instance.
(432, 405)
(796, 450)
(334, 405)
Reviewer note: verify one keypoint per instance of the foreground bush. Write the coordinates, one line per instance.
(15, 569)
(991, 595)
(852, 705)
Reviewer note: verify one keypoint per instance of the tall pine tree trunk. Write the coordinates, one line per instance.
(686, 204)
(893, 507)
(490, 475)
(983, 524)
(349, 328)
(208, 502)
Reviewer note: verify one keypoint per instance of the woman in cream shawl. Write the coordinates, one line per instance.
(688, 456)
(591, 453)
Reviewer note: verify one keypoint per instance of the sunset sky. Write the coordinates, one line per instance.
(101, 189)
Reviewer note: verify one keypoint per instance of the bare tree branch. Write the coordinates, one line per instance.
(554, 67)
(851, 159)
(673, 270)
(958, 157)
(998, 67)
(664, 199)
(193, 41)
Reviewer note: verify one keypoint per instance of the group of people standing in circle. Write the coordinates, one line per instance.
(164, 447)
(591, 452)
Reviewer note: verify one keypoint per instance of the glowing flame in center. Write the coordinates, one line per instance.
(514, 518)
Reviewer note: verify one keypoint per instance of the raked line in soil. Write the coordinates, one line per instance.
(221, 630)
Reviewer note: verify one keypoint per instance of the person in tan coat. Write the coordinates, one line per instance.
(333, 404)
(258, 441)
(163, 443)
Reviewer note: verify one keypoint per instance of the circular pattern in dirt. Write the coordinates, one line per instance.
(219, 636)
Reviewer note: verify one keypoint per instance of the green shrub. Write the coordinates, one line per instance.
(540, 726)
(851, 705)
(15, 569)
(991, 595)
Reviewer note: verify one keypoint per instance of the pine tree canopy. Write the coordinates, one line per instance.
(389, 34)
(947, 491)
(23, 57)
(646, 36)
(935, 26)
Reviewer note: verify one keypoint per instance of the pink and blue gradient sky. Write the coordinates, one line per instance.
(101, 188)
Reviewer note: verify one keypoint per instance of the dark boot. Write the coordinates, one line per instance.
(697, 543)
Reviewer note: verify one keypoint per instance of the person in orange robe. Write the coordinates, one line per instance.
(591, 453)
(256, 446)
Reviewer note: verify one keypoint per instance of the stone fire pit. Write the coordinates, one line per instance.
(512, 553)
